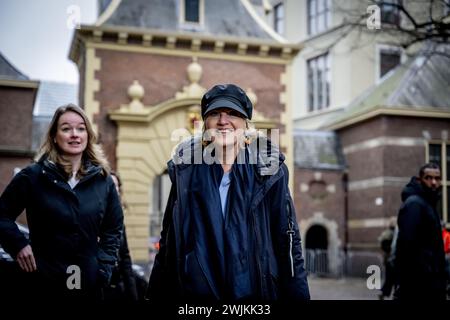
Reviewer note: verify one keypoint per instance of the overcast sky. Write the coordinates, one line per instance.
(35, 35)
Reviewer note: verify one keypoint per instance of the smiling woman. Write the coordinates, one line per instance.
(73, 211)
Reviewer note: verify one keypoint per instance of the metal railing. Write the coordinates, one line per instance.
(321, 262)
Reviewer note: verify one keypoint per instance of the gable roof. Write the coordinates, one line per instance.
(317, 150)
(420, 84)
(51, 95)
(8, 71)
(225, 18)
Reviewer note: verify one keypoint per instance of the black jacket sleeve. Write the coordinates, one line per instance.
(126, 269)
(293, 284)
(161, 283)
(12, 203)
(409, 242)
(110, 234)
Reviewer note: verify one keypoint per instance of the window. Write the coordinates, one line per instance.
(318, 16)
(278, 18)
(439, 152)
(389, 11)
(192, 11)
(389, 59)
(319, 79)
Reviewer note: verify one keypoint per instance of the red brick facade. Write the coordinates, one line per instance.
(162, 76)
(16, 118)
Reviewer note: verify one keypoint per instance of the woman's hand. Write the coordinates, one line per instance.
(26, 261)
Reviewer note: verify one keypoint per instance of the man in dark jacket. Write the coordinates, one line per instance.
(420, 261)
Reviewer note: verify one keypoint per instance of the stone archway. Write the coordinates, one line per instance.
(145, 144)
(333, 241)
(146, 138)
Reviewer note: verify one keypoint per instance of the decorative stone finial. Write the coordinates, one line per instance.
(136, 93)
(194, 71)
(252, 96)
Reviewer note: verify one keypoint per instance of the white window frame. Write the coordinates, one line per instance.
(201, 15)
(327, 17)
(315, 108)
(275, 17)
(379, 48)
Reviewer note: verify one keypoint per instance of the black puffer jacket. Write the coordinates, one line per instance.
(80, 226)
(254, 254)
(420, 260)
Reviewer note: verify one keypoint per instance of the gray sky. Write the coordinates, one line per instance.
(35, 35)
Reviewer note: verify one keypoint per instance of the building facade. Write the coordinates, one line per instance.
(387, 109)
(143, 70)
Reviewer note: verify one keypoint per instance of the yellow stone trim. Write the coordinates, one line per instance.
(188, 53)
(91, 86)
(151, 112)
(146, 37)
(286, 119)
(19, 83)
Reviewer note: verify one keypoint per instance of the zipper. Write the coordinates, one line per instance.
(258, 265)
(290, 233)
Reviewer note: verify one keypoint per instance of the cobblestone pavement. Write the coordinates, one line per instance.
(340, 289)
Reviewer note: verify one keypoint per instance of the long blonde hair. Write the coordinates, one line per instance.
(51, 151)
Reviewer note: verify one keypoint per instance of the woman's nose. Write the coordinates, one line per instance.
(223, 117)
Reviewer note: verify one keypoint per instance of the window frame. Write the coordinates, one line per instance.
(379, 48)
(325, 14)
(398, 19)
(313, 82)
(445, 148)
(201, 15)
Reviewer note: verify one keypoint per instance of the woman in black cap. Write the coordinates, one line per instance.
(229, 229)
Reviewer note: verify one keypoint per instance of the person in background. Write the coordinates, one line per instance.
(419, 256)
(123, 284)
(386, 242)
(73, 211)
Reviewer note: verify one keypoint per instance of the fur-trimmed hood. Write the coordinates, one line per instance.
(261, 151)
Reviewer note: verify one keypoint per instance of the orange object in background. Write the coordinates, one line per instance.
(446, 238)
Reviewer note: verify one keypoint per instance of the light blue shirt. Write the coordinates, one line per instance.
(223, 190)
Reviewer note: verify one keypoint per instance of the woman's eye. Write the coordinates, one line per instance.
(82, 129)
(65, 129)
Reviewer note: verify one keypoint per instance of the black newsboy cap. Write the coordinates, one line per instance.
(227, 96)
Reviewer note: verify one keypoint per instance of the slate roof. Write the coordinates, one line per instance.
(8, 71)
(317, 150)
(227, 18)
(421, 83)
(52, 94)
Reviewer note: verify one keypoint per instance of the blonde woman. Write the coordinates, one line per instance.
(73, 211)
(229, 230)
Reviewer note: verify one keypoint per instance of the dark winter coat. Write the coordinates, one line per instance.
(253, 254)
(123, 284)
(80, 226)
(419, 260)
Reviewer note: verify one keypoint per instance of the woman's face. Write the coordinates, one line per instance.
(225, 125)
(71, 134)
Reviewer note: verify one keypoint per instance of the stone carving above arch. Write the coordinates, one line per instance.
(193, 90)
